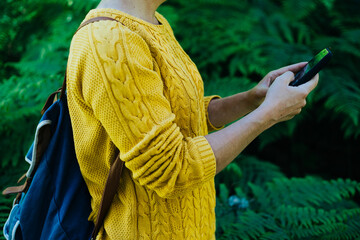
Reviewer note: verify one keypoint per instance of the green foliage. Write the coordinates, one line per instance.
(234, 44)
(34, 49)
(264, 204)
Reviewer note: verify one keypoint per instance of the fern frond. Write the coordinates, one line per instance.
(257, 172)
(350, 232)
(309, 191)
(342, 95)
(308, 217)
(298, 9)
(251, 225)
(230, 85)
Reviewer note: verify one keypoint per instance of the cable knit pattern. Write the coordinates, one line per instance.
(133, 88)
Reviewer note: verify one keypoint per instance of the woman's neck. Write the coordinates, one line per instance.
(143, 9)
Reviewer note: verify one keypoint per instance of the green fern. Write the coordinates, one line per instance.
(284, 208)
(307, 191)
(252, 225)
(234, 44)
(265, 35)
(40, 69)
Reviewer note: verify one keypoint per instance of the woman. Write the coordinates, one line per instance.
(131, 87)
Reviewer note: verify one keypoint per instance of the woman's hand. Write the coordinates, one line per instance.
(229, 109)
(258, 93)
(283, 102)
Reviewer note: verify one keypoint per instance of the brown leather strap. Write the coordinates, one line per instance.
(113, 179)
(12, 190)
(22, 178)
(95, 19)
(50, 100)
(44, 136)
(111, 186)
(18, 189)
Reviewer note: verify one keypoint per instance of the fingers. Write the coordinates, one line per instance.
(287, 77)
(295, 67)
(288, 101)
(292, 68)
(310, 85)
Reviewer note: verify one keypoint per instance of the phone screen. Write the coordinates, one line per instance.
(316, 59)
(313, 62)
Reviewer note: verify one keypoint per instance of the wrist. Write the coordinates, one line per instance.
(255, 98)
(264, 116)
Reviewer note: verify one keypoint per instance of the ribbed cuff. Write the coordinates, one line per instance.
(207, 156)
(207, 101)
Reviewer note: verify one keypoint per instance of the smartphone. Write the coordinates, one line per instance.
(312, 68)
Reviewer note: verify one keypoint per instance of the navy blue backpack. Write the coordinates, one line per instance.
(54, 202)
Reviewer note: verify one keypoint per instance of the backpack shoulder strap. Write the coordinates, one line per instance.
(53, 97)
(113, 179)
(95, 19)
(92, 20)
(111, 186)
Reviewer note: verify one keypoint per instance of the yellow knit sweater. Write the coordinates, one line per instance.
(133, 88)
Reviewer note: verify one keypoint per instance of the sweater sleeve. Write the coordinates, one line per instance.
(128, 101)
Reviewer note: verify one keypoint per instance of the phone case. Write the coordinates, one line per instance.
(301, 78)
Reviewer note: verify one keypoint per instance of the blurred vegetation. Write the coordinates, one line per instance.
(256, 201)
(234, 44)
